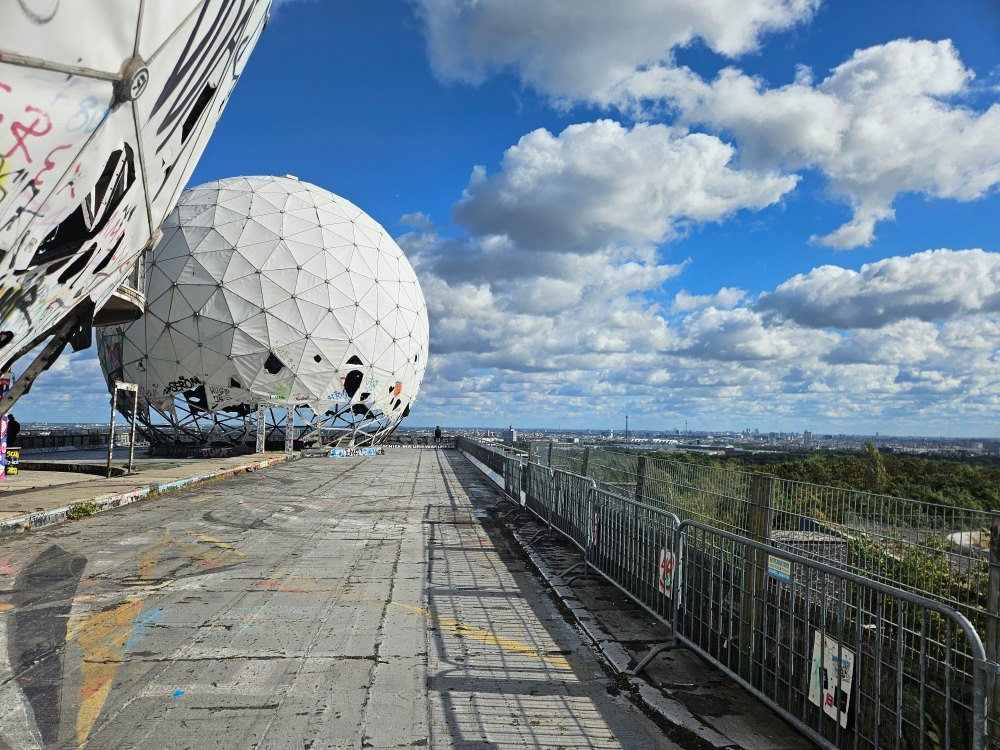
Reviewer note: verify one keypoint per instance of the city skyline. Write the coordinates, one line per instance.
(784, 217)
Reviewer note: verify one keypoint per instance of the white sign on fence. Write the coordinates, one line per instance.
(261, 426)
(831, 677)
(665, 572)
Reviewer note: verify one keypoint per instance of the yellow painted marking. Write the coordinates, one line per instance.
(485, 636)
(101, 638)
(151, 555)
(217, 543)
(6, 607)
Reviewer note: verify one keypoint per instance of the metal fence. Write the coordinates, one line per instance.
(930, 549)
(850, 660)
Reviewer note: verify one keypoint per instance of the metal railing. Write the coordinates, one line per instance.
(850, 660)
(930, 549)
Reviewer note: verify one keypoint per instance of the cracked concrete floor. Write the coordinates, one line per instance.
(328, 603)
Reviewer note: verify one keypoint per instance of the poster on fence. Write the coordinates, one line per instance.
(665, 572)
(831, 677)
(779, 568)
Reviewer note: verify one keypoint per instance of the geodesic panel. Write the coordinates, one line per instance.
(105, 108)
(271, 290)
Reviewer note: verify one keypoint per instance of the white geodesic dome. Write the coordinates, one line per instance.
(269, 290)
(106, 107)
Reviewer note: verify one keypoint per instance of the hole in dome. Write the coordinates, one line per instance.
(406, 411)
(317, 358)
(353, 382)
(234, 383)
(272, 364)
(365, 396)
(196, 111)
(398, 402)
(91, 216)
(355, 360)
(361, 410)
(391, 387)
(197, 399)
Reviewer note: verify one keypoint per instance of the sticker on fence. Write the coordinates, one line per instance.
(779, 568)
(665, 572)
(347, 452)
(831, 677)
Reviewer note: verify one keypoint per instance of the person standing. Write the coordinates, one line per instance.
(437, 434)
(13, 428)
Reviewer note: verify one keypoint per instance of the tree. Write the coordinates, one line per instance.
(874, 476)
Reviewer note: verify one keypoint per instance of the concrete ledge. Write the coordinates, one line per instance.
(73, 468)
(118, 499)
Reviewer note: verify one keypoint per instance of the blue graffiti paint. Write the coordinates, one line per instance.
(143, 624)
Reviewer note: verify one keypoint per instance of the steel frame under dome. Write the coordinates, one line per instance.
(188, 424)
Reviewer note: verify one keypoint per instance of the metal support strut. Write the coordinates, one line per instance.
(653, 653)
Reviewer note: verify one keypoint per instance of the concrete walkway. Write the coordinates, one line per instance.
(326, 603)
(33, 499)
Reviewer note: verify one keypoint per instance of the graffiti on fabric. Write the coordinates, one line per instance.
(181, 384)
(74, 211)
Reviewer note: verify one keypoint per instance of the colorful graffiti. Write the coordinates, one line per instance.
(63, 641)
(77, 205)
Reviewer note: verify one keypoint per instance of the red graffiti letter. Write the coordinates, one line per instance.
(20, 131)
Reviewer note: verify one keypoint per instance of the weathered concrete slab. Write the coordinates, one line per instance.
(323, 604)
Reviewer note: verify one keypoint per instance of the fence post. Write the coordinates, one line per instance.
(591, 515)
(759, 515)
(550, 454)
(552, 495)
(522, 501)
(586, 461)
(111, 428)
(993, 620)
(131, 442)
(640, 479)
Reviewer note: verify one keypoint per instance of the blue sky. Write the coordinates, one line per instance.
(706, 211)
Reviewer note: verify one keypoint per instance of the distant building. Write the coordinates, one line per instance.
(511, 436)
(807, 439)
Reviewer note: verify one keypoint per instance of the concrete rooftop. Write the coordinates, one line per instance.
(325, 603)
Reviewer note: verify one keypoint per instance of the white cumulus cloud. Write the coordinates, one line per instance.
(598, 184)
(931, 286)
(893, 118)
(576, 49)
(724, 298)
(889, 120)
